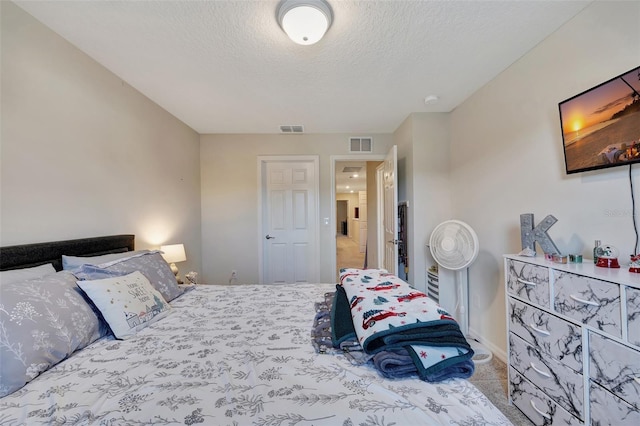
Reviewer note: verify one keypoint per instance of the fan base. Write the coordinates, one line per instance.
(481, 354)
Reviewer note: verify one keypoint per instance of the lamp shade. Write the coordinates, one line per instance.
(305, 21)
(174, 253)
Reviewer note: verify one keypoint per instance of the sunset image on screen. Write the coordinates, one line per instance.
(601, 127)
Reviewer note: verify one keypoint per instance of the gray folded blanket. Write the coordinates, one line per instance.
(321, 335)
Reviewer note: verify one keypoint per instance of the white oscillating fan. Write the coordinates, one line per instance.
(454, 246)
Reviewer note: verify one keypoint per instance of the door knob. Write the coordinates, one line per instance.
(269, 237)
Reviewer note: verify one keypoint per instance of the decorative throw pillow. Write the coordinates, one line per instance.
(150, 263)
(14, 275)
(42, 321)
(128, 303)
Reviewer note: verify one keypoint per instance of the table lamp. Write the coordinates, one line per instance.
(174, 253)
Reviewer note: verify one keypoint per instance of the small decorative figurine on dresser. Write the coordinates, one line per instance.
(635, 264)
(607, 257)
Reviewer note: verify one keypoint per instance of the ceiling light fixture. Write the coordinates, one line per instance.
(305, 21)
(431, 99)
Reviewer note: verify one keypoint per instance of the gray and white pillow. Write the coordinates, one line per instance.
(70, 263)
(42, 321)
(150, 263)
(14, 275)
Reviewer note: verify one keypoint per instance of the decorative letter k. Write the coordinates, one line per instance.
(530, 235)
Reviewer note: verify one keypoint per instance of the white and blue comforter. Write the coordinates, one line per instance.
(235, 355)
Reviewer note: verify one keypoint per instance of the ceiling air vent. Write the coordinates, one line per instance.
(361, 144)
(292, 129)
(351, 169)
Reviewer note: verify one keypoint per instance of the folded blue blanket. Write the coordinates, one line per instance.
(399, 363)
(395, 363)
(341, 324)
(407, 332)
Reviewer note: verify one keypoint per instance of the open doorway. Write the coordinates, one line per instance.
(356, 235)
(381, 199)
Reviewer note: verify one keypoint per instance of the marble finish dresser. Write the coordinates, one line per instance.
(573, 342)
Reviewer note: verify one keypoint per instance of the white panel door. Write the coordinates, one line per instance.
(390, 181)
(289, 222)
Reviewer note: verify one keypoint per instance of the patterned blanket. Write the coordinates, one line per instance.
(404, 330)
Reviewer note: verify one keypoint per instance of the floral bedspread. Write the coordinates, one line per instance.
(235, 355)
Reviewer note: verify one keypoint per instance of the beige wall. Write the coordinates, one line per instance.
(84, 154)
(507, 155)
(423, 175)
(230, 196)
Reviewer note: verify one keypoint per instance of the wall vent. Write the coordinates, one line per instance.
(289, 129)
(361, 144)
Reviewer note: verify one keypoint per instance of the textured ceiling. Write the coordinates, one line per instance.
(227, 67)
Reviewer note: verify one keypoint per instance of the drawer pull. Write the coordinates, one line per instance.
(540, 372)
(584, 302)
(525, 282)
(539, 330)
(545, 415)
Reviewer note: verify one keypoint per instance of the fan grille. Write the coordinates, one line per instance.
(454, 245)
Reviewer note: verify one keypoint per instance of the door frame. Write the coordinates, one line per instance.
(262, 162)
(380, 209)
(333, 160)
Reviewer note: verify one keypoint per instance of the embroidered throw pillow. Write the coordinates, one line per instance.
(128, 303)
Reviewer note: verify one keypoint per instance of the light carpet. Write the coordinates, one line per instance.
(491, 379)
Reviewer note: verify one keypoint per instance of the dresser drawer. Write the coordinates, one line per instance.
(633, 315)
(561, 384)
(606, 409)
(615, 367)
(590, 301)
(560, 339)
(530, 282)
(536, 405)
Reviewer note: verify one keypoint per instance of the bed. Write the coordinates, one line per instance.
(224, 355)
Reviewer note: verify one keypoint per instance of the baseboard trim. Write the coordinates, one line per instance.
(497, 352)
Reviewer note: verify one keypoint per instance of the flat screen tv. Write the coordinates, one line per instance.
(601, 126)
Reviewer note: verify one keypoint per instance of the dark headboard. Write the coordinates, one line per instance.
(27, 255)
